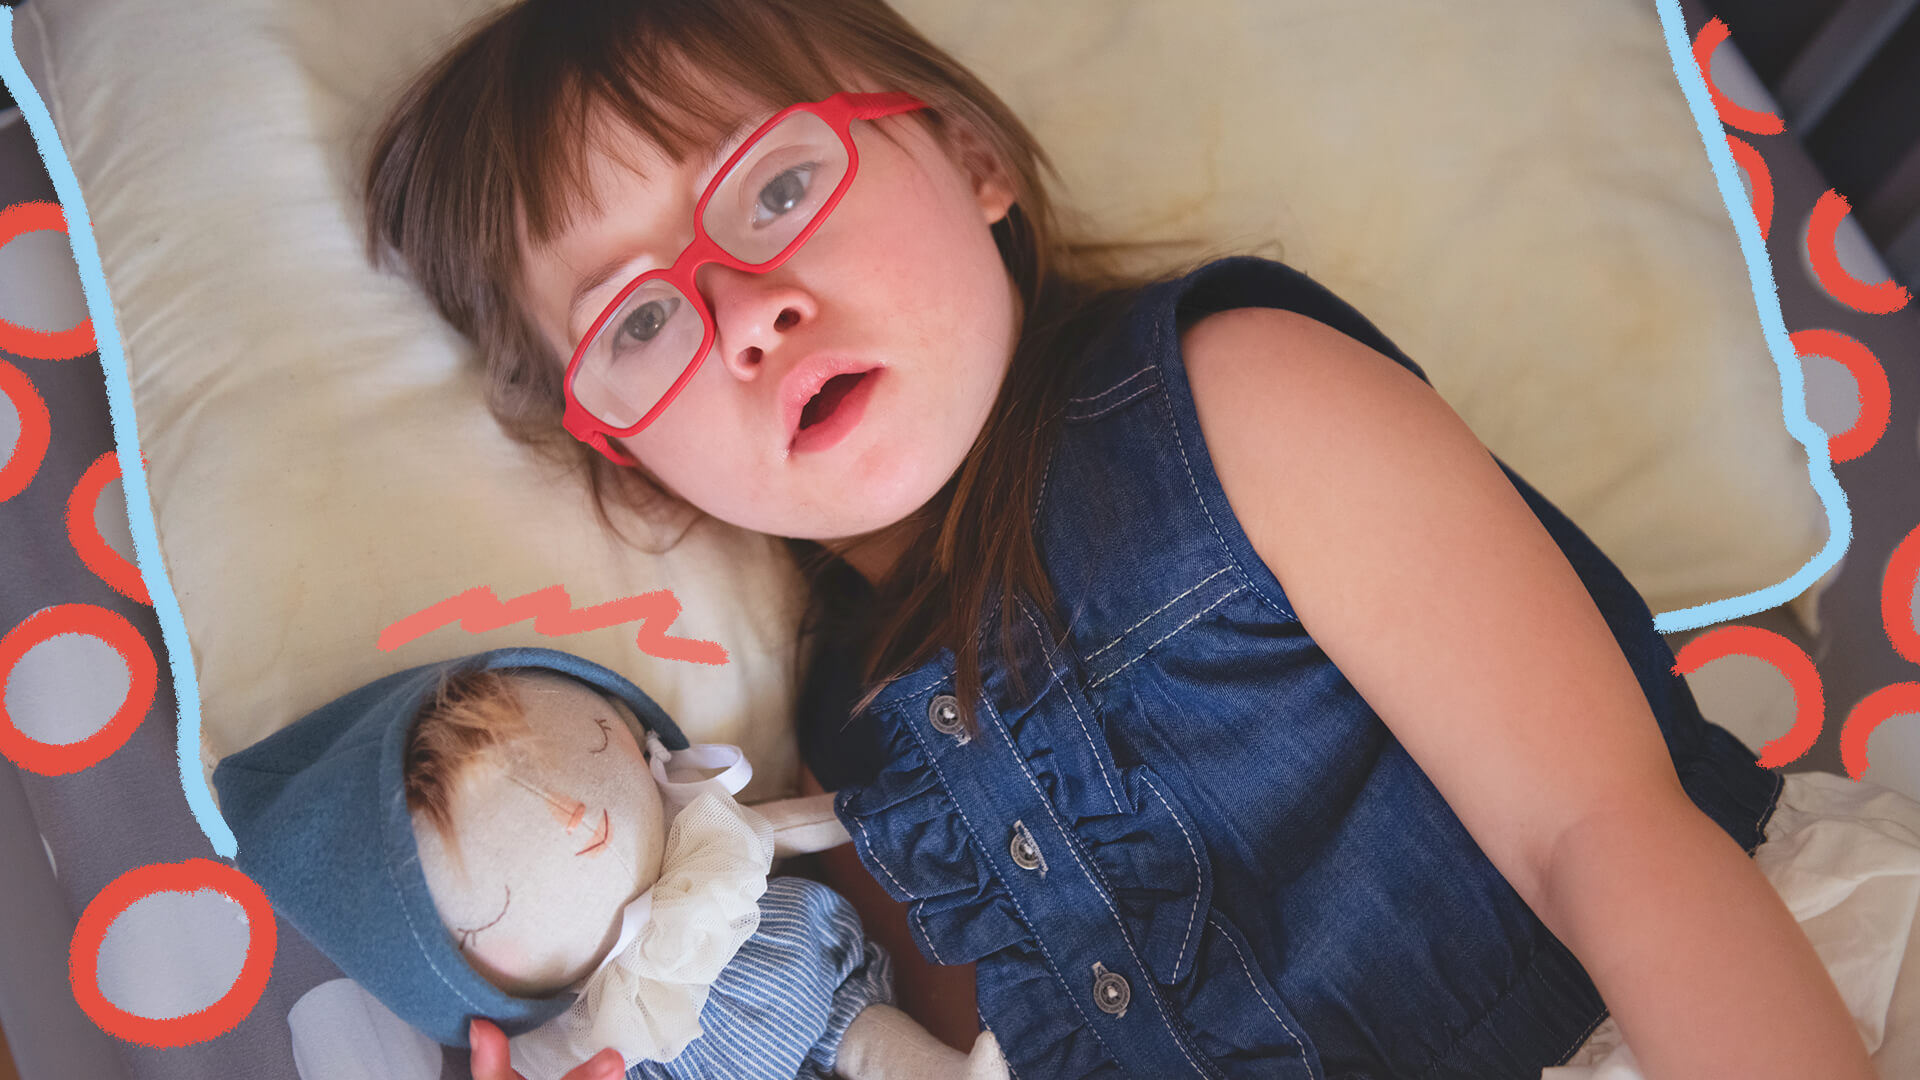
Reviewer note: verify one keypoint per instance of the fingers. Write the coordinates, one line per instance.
(605, 1065)
(489, 1057)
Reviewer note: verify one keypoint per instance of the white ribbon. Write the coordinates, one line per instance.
(678, 772)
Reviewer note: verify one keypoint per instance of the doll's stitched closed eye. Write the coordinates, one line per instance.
(466, 936)
(606, 734)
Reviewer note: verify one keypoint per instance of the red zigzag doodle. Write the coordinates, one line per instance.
(478, 610)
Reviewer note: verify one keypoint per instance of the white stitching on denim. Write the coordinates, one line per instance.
(1099, 884)
(1066, 690)
(918, 916)
(1257, 992)
(1122, 636)
(1121, 404)
(1040, 498)
(1180, 445)
(1585, 1035)
(931, 947)
(1190, 621)
(1087, 399)
(867, 843)
(414, 932)
(1014, 898)
(1199, 875)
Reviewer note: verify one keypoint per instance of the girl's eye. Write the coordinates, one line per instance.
(782, 194)
(644, 323)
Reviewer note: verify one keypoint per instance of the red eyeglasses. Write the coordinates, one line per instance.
(769, 197)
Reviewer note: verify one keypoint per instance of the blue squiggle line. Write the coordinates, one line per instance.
(1793, 398)
(133, 474)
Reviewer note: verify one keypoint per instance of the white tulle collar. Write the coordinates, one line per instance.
(645, 997)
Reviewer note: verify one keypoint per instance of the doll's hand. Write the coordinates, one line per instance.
(489, 1061)
(986, 1062)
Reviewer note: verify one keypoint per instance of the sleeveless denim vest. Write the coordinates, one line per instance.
(1189, 848)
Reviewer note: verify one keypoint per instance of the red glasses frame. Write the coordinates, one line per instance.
(838, 112)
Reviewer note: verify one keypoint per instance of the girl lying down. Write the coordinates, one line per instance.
(487, 838)
(1200, 694)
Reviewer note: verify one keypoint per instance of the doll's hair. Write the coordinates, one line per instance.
(492, 144)
(473, 716)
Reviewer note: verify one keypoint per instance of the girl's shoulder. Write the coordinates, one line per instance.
(1156, 326)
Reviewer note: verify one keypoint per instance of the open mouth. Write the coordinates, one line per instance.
(834, 411)
(832, 393)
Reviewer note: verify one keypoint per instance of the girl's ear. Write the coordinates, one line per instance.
(992, 187)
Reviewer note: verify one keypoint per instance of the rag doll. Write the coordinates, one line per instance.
(525, 836)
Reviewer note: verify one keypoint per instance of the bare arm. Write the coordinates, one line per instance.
(1425, 577)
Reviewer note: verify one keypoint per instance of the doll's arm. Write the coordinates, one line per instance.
(803, 825)
(884, 1043)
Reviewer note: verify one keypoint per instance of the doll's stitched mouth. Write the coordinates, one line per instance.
(599, 836)
(831, 393)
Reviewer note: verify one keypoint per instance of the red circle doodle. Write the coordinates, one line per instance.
(1749, 120)
(36, 430)
(1759, 176)
(1823, 225)
(26, 217)
(143, 680)
(193, 875)
(1896, 596)
(1810, 704)
(1876, 397)
(1870, 713)
(107, 564)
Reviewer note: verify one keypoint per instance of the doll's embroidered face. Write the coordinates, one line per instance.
(551, 836)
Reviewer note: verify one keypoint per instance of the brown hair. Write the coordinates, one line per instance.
(472, 716)
(497, 134)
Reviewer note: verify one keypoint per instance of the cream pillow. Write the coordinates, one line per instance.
(320, 459)
(1514, 193)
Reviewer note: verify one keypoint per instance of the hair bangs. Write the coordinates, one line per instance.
(681, 76)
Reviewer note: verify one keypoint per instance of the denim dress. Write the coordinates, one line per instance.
(1189, 848)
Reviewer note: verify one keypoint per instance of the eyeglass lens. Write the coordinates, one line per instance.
(762, 204)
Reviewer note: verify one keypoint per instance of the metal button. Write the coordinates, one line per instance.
(1110, 991)
(1026, 853)
(944, 714)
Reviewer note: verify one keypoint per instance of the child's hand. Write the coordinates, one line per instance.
(489, 1061)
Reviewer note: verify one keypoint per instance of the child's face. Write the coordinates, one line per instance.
(903, 278)
(548, 850)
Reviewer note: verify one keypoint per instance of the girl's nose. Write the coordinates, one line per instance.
(752, 315)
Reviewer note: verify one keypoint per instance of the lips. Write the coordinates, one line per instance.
(831, 394)
(808, 379)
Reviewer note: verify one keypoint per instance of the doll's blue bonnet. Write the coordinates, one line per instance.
(319, 812)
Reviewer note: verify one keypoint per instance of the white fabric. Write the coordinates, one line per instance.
(804, 825)
(1514, 192)
(1845, 857)
(680, 773)
(884, 1043)
(645, 999)
(340, 1031)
